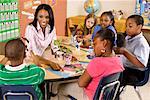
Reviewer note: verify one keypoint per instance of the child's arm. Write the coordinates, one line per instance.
(39, 60)
(4, 61)
(132, 58)
(84, 79)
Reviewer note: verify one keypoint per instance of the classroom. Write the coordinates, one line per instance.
(74, 49)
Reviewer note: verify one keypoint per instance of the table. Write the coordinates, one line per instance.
(52, 77)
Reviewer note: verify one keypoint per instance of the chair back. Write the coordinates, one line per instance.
(146, 73)
(107, 87)
(17, 92)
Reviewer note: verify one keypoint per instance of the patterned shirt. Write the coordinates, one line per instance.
(22, 75)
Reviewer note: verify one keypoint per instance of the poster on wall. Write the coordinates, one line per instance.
(30, 5)
(143, 8)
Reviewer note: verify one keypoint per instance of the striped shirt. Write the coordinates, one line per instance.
(22, 75)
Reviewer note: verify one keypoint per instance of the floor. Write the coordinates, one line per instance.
(128, 94)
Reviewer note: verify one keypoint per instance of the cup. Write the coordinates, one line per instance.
(68, 59)
(59, 55)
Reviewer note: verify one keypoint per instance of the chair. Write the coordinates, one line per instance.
(107, 87)
(17, 92)
(143, 81)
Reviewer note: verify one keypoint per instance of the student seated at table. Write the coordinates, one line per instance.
(84, 30)
(105, 62)
(136, 51)
(106, 21)
(19, 73)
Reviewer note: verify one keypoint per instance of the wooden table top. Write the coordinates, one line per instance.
(79, 54)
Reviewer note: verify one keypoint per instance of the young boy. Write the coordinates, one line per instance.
(19, 73)
(136, 52)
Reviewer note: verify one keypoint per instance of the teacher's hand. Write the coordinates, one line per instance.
(54, 66)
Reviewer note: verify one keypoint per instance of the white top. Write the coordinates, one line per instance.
(139, 47)
(37, 41)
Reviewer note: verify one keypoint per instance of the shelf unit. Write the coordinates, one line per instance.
(9, 20)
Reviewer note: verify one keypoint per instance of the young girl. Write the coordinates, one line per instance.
(85, 30)
(41, 32)
(106, 21)
(105, 62)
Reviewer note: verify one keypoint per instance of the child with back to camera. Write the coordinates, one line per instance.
(105, 62)
(106, 21)
(84, 31)
(136, 51)
(19, 73)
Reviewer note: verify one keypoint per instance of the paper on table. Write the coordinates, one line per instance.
(60, 73)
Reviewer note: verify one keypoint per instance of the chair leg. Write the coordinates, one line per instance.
(138, 93)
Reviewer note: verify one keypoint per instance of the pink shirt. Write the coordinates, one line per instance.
(100, 67)
(37, 41)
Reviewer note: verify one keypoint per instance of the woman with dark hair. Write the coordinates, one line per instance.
(41, 32)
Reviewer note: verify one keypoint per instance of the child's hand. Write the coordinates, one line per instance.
(79, 32)
(119, 50)
(86, 43)
(79, 38)
(88, 36)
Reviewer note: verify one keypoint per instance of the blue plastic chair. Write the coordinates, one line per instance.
(17, 92)
(107, 87)
(143, 81)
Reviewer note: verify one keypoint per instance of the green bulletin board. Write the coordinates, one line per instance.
(9, 20)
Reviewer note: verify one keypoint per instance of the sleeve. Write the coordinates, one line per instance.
(1, 66)
(94, 68)
(41, 75)
(28, 36)
(112, 29)
(53, 46)
(96, 29)
(142, 52)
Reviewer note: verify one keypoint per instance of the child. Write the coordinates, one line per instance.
(19, 73)
(85, 30)
(106, 21)
(136, 51)
(105, 62)
(41, 32)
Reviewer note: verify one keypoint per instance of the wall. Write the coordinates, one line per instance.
(76, 7)
(59, 8)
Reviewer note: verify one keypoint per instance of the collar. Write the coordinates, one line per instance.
(39, 27)
(16, 68)
(129, 38)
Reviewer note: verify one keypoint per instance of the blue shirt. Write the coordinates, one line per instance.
(98, 27)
